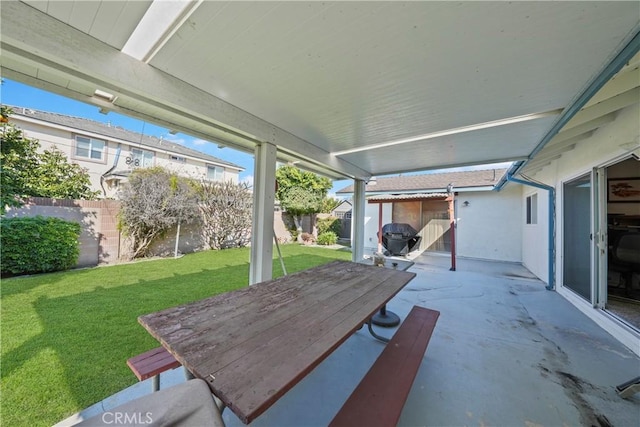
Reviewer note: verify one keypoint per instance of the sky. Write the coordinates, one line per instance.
(21, 95)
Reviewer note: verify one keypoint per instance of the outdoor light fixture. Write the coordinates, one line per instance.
(104, 95)
(465, 203)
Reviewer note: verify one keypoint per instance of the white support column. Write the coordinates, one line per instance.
(357, 221)
(264, 193)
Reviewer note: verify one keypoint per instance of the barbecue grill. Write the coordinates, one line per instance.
(399, 238)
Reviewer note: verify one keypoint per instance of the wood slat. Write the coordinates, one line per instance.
(379, 398)
(152, 363)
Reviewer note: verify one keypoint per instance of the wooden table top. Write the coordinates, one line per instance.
(254, 344)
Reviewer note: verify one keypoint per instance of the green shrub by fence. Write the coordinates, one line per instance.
(329, 224)
(38, 245)
(327, 238)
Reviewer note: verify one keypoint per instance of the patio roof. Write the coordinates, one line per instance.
(348, 89)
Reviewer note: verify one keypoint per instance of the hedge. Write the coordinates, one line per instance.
(38, 245)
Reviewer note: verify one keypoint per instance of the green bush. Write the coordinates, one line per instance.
(38, 245)
(329, 224)
(327, 238)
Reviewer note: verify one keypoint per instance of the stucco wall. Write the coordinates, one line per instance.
(491, 226)
(371, 225)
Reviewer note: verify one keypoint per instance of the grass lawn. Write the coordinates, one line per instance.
(66, 336)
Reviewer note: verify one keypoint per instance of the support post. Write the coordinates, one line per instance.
(264, 191)
(380, 227)
(452, 230)
(357, 222)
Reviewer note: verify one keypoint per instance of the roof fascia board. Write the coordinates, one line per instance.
(30, 35)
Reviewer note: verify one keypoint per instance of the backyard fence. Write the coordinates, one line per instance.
(100, 240)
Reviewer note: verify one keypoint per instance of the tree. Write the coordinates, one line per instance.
(26, 173)
(329, 204)
(301, 193)
(152, 201)
(226, 210)
(18, 156)
(56, 178)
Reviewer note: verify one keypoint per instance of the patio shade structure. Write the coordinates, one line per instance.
(344, 89)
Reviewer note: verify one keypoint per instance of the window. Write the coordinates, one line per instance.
(141, 158)
(179, 159)
(89, 148)
(215, 173)
(532, 209)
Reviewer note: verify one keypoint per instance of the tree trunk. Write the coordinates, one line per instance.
(297, 219)
(314, 225)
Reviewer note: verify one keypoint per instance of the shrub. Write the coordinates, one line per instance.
(153, 201)
(327, 238)
(329, 224)
(38, 245)
(226, 210)
(307, 238)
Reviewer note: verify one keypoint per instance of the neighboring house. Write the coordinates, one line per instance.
(488, 225)
(111, 153)
(343, 212)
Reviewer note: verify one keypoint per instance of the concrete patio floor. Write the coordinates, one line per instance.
(505, 352)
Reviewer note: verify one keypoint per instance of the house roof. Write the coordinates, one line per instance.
(433, 181)
(343, 206)
(120, 133)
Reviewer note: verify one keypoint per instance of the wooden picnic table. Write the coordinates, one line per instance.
(254, 344)
(384, 317)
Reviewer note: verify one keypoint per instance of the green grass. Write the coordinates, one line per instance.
(66, 336)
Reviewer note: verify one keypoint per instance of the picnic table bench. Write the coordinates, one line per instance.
(252, 345)
(380, 396)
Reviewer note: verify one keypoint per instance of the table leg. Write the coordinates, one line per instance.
(373, 334)
(385, 318)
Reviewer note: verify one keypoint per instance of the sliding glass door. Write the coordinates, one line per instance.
(577, 238)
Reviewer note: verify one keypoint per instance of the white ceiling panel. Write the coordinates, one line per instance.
(507, 143)
(343, 74)
(317, 78)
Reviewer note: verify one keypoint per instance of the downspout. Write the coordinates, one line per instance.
(115, 164)
(552, 225)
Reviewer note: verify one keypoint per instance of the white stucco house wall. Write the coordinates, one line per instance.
(487, 222)
(111, 153)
